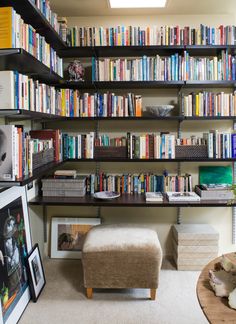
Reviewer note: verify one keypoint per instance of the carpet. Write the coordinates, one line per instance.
(63, 299)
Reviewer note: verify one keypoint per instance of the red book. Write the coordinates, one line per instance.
(47, 134)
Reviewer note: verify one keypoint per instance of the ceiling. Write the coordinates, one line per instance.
(73, 8)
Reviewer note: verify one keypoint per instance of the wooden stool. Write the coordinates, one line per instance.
(121, 256)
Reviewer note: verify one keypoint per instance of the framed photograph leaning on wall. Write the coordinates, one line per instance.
(15, 244)
(36, 273)
(68, 234)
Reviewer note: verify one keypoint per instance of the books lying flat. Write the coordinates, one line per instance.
(211, 194)
(64, 193)
(65, 174)
(182, 196)
(153, 196)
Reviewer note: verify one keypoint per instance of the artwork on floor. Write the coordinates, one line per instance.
(15, 244)
(36, 273)
(68, 235)
(216, 175)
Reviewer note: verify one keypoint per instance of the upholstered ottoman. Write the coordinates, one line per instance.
(121, 256)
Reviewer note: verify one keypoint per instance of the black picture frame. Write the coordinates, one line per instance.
(36, 273)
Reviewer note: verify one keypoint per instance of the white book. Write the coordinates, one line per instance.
(153, 196)
(182, 196)
(7, 152)
(7, 90)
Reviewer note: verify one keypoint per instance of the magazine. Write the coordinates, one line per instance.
(182, 196)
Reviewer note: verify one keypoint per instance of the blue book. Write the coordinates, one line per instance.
(233, 145)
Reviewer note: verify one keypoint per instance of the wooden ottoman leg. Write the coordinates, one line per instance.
(89, 292)
(153, 293)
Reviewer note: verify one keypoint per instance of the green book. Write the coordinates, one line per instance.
(215, 175)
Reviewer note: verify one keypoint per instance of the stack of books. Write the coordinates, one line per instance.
(214, 192)
(194, 245)
(65, 183)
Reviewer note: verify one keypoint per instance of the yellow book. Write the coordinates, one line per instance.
(63, 102)
(197, 105)
(6, 27)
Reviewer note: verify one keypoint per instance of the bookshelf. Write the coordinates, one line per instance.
(25, 63)
(20, 60)
(125, 200)
(33, 16)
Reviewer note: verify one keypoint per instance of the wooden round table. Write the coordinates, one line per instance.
(216, 309)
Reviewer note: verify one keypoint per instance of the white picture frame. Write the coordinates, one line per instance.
(67, 235)
(37, 279)
(15, 244)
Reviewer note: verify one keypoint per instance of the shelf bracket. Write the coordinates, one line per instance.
(234, 208)
(179, 173)
(45, 223)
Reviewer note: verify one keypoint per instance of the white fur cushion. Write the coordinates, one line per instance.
(121, 238)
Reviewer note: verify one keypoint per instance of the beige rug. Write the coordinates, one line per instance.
(63, 300)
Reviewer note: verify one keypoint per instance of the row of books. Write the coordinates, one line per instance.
(221, 145)
(14, 33)
(18, 151)
(80, 146)
(137, 183)
(44, 7)
(107, 105)
(150, 146)
(22, 92)
(209, 104)
(145, 36)
(171, 68)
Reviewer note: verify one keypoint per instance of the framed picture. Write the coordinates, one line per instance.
(68, 234)
(15, 244)
(36, 274)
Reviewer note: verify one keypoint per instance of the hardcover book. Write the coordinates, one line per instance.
(182, 196)
(7, 152)
(153, 196)
(7, 90)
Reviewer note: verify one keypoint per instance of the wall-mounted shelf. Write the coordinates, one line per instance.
(125, 200)
(113, 51)
(33, 16)
(22, 114)
(38, 173)
(25, 63)
(151, 160)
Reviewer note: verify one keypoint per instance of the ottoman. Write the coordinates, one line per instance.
(121, 256)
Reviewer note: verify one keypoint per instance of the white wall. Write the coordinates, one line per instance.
(159, 218)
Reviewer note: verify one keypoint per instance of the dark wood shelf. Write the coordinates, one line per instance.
(113, 51)
(209, 84)
(97, 85)
(120, 84)
(22, 114)
(25, 63)
(125, 200)
(34, 17)
(151, 160)
(38, 173)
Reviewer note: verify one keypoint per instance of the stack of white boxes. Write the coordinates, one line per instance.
(194, 245)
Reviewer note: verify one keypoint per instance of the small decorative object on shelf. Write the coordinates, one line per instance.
(76, 71)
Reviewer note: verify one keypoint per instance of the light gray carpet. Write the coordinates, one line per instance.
(63, 300)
